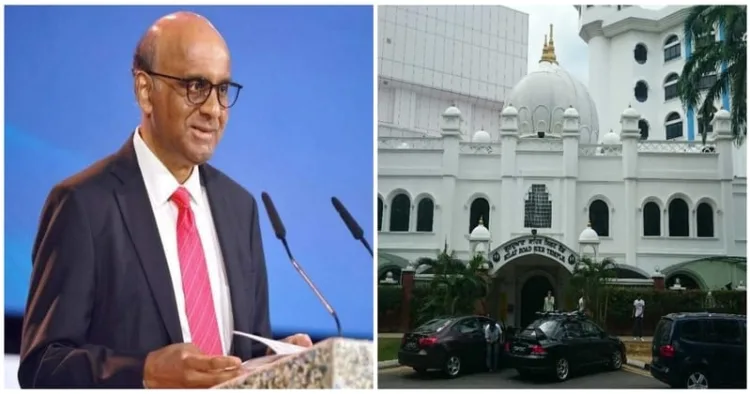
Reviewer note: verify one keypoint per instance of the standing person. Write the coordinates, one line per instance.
(582, 303)
(549, 302)
(146, 262)
(639, 307)
(492, 334)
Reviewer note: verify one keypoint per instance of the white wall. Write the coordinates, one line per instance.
(10, 366)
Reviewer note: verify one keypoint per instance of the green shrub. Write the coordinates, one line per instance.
(619, 308)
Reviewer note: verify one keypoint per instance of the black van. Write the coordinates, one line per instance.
(700, 350)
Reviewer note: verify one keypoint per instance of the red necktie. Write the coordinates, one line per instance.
(199, 301)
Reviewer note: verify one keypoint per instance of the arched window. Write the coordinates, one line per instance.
(670, 86)
(641, 91)
(643, 128)
(671, 48)
(425, 215)
(599, 217)
(679, 222)
(640, 53)
(538, 208)
(480, 208)
(380, 214)
(705, 220)
(400, 207)
(673, 126)
(651, 220)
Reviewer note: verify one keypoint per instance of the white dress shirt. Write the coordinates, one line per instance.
(160, 185)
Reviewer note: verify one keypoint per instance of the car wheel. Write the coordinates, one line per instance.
(697, 380)
(615, 362)
(562, 369)
(452, 366)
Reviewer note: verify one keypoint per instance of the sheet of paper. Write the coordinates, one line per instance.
(279, 348)
(261, 361)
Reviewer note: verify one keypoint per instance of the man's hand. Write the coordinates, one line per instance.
(296, 339)
(182, 365)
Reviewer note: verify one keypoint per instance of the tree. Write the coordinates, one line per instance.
(709, 57)
(592, 278)
(455, 287)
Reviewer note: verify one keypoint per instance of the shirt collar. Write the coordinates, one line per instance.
(160, 183)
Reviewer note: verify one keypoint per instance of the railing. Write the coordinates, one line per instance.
(675, 147)
(540, 144)
(599, 150)
(480, 148)
(421, 143)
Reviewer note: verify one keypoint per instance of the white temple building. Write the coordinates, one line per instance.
(535, 171)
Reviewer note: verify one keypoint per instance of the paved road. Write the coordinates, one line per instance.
(627, 378)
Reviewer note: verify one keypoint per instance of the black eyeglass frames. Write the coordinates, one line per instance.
(198, 90)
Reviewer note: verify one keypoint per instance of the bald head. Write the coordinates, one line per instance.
(183, 83)
(172, 34)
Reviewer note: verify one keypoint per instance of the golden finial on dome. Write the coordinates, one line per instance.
(548, 52)
(481, 220)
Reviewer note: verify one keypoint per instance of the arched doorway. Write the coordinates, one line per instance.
(532, 297)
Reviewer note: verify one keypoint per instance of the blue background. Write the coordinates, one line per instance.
(301, 130)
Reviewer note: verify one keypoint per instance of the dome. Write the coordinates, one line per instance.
(480, 233)
(543, 96)
(481, 136)
(452, 111)
(630, 113)
(588, 235)
(611, 138)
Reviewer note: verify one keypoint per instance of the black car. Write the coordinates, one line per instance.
(452, 345)
(558, 342)
(700, 350)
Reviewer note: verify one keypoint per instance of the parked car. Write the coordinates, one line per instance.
(559, 342)
(453, 345)
(700, 350)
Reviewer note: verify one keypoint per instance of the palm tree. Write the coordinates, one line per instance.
(727, 59)
(455, 286)
(592, 278)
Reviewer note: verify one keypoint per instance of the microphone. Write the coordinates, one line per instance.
(280, 231)
(351, 223)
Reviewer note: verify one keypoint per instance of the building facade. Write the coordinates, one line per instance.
(532, 181)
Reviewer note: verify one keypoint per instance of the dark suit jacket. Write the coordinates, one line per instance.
(101, 297)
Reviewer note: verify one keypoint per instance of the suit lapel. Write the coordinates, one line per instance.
(226, 231)
(134, 204)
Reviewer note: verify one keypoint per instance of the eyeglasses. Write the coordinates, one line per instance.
(199, 89)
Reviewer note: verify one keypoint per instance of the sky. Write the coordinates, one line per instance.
(571, 50)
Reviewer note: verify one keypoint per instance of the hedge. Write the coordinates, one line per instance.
(619, 307)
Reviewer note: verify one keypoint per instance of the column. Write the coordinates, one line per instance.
(570, 136)
(630, 135)
(509, 196)
(723, 138)
(451, 132)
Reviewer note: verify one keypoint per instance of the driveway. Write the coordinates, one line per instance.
(627, 378)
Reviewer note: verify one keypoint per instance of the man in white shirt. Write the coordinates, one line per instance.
(146, 262)
(639, 307)
(582, 303)
(549, 302)
(492, 334)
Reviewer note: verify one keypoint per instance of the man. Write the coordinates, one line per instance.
(145, 262)
(639, 306)
(582, 303)
(492, 334)
(549, 302)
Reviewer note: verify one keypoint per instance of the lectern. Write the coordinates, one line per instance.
(336, 363)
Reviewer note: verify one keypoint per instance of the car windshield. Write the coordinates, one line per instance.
(547, 327)
(434, 325)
